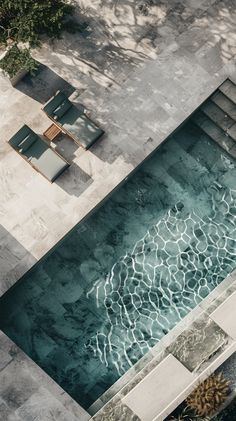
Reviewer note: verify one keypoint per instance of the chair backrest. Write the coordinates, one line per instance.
(54, 102)
(22, 134)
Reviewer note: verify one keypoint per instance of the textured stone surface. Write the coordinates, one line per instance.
(199, 343)
(42, 406)
(116, 411)
(27, 393)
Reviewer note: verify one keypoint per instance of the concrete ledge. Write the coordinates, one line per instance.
(198, 379)
(156, 390)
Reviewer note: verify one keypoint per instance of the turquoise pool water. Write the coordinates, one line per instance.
(125, 276)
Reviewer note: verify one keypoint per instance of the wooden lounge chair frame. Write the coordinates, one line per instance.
(63, 130)
(32, 165)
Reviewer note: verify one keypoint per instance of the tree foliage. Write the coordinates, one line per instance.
(28, 20)
(16, 60)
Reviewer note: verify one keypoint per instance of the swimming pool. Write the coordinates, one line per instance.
(127, 274)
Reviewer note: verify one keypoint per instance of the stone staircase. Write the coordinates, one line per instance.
(217, 117)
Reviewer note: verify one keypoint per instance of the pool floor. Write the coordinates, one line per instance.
(126, 275)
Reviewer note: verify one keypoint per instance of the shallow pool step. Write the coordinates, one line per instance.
(213, 131)
(180, 154)
(228, 88)
(217, 115)
(180, 171)
(228, 106)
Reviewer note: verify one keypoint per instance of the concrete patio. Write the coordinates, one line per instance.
(159, 67)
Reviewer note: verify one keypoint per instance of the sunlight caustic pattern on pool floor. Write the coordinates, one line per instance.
(126, 275)
(166, 274)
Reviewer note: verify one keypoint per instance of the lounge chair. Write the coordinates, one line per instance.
(38, 153)
(72, 121)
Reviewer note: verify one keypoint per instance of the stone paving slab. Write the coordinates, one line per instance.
(27, 393)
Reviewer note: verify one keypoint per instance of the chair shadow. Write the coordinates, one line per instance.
(66, 147)
(43, 85)
(74, 180)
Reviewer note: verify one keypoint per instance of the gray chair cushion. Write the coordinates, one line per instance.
(54, 102)
(27, 142)
(62, 109)
(20, 136)
(82, 129)
(38, 153)
(46, 160)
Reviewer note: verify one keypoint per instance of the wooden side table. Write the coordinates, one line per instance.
(52, 132)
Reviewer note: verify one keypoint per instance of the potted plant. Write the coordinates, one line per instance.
(209, 395)
(205, 401)
(16, 63)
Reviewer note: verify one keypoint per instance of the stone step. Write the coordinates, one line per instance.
(228, 88)
(232, 131)
(217, 115)
(213, 131)
(225, 104)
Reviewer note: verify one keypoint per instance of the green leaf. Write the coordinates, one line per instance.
(27, 20)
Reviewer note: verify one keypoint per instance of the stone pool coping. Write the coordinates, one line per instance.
(126, 397)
